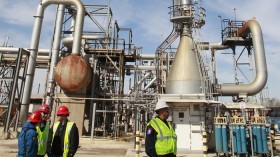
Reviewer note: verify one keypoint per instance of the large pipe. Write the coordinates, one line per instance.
(140, 82)
(186, 2)
(13, 50)
(55, 54)
(257, 85)
(150, 83)
(212, 45)
(34, 44)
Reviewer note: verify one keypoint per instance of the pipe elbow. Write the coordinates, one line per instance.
(260, 80)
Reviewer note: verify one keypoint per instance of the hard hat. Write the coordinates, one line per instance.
(62, 110)
(35, 117)
(160, 105)
(45, 108)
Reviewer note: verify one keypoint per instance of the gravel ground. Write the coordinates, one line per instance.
(100, 147)
(88, 148)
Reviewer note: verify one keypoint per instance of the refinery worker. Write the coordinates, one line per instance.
(43, 130)
(161, 139)
(27, 139)
(63, 140)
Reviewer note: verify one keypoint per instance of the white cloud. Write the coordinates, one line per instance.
(17, 19)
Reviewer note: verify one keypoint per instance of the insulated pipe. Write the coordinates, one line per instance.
(55, 53)
(257, 85)
(140, 82)
(212, 45)
(34, 44)
(13, 50)
(186, 2)
(150, 83)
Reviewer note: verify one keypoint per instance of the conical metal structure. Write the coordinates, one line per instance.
(184, 76)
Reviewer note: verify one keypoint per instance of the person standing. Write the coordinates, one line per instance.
(161, 139)
(43, 130)
(63, 138)
(27, 139)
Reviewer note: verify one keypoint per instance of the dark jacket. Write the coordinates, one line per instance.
(150, 141)
(57, 145)
(27, 141)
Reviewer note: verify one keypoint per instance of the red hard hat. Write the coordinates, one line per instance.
(62, 110)
(35, 117)
(45, 108)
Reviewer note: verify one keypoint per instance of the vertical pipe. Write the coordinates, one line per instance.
(251, 140)
(93, 104)
(34, 44)
(54, 54)
(93, 120)
(135, 122)
(116, 121)
(125, 112)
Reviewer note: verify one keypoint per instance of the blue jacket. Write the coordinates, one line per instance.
(27, 141)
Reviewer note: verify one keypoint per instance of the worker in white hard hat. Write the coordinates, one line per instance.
(161, 139)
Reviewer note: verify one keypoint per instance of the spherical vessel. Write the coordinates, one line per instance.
(72, 73)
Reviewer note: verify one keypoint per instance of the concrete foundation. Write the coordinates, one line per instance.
(76, 108)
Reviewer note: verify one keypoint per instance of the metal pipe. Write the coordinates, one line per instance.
(55, 53)
(93, 104)
(140, 82)
(150, 83)
(13, 50)
(186, 2)
(212, 45)
(34, 44)
(260, 80)
(14, 56)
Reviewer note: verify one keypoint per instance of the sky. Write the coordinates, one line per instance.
(150, 23)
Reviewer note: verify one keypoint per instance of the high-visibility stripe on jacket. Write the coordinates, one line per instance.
(42, 139)
(166, 138)
(66, 136)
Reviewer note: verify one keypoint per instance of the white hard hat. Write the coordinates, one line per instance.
(160, 105)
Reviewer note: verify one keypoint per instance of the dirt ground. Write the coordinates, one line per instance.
(87, 148)
(101, 147)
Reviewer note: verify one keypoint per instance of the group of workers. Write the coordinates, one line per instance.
(38, 138)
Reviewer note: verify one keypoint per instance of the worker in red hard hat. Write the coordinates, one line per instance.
(161, 139)
(27, 139)
(63, 139)
(43, 130)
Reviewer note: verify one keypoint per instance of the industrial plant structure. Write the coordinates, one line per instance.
(87, 70)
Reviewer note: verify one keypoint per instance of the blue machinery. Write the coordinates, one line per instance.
(221, 134)
(258, 125)
(242, 137)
